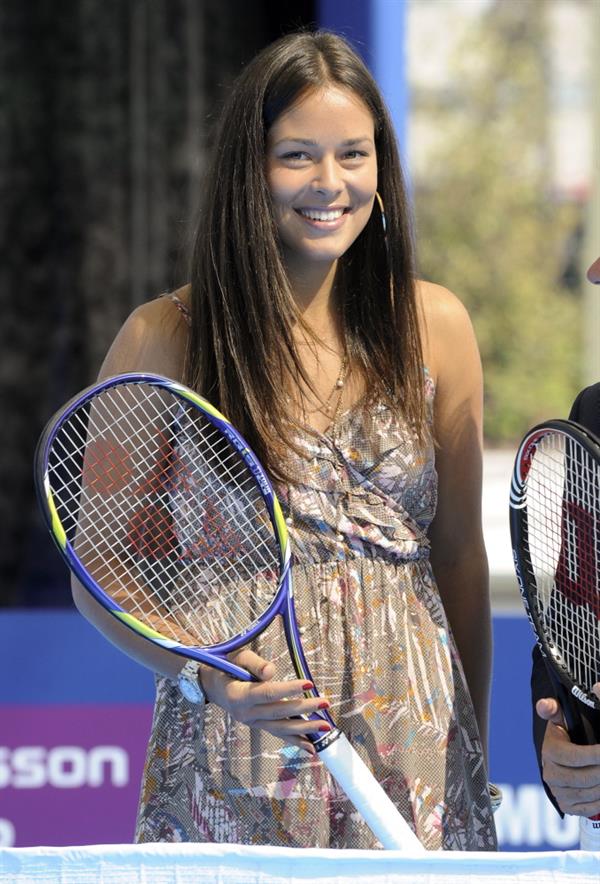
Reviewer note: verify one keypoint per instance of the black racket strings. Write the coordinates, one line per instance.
(215, 475)
(564, 563)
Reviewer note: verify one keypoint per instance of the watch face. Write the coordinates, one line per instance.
(191, 690)
(189, 684)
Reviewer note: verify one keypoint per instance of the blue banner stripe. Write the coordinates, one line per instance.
(377, 30)
(54, 656)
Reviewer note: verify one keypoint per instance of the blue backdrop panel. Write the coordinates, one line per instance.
(377, 30)
(57, 657)
(526, 820)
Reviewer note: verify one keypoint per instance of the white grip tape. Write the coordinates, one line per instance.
(363, 790)
(589, 834)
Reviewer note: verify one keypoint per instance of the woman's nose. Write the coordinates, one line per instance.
(327, 179)
(593, 273)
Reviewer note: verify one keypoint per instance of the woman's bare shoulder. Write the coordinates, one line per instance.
(445, 323)
(152, 338)
(438, 304)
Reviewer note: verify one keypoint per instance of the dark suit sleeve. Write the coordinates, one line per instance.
(585, 411)
(541, 686)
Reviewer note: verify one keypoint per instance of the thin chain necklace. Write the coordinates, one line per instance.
(326, 407)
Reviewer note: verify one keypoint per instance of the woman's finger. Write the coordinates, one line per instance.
(549, 709)
(290, 708)
(254, 664)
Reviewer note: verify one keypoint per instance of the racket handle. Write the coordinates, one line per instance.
(367, 795)
(589, 833)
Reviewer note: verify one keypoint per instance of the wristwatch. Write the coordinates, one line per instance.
(189, 683)
(496, 796)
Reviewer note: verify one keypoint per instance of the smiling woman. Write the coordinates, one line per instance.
(304, 324)
(322, 173)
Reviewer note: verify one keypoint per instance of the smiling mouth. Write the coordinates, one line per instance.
(322, 214)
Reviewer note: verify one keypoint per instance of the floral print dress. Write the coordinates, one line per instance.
(379, 648)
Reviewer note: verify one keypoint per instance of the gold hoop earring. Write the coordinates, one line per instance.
(382, 212)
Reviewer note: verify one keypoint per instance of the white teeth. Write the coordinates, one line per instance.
(316, 215)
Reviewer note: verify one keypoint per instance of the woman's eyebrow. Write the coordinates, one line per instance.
(309, 142)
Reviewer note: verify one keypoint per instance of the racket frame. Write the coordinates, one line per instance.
(282, 602)
(520, 546)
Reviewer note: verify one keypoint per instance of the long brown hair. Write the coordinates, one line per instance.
(241, 344)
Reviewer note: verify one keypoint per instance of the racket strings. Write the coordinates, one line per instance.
(155, 571)
(158, 504)
(563, 524)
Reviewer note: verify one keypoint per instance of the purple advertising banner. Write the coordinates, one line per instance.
(70, 774)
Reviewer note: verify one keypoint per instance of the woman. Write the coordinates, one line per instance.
(360, 390)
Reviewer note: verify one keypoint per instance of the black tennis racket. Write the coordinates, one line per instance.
(165, 515)
(555, 530)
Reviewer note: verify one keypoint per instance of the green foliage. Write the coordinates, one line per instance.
(488, 227)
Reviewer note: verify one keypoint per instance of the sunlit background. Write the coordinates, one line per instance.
(106, 120)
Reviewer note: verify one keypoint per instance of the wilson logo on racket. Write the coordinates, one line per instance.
(577, 692)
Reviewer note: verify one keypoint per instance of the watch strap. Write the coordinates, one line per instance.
(189, 683)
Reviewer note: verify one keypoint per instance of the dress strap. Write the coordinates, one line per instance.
(181, 306)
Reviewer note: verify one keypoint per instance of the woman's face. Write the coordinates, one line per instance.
(322, 173)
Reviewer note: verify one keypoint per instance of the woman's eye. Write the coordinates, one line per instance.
(295, 156)
(302, 156)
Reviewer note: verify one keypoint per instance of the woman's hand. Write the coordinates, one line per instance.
(268, 705)
(571, 772)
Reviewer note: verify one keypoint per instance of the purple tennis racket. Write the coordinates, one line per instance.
(165, 515)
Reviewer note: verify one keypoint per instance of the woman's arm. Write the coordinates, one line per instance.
(458, 554)
(154, 339)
